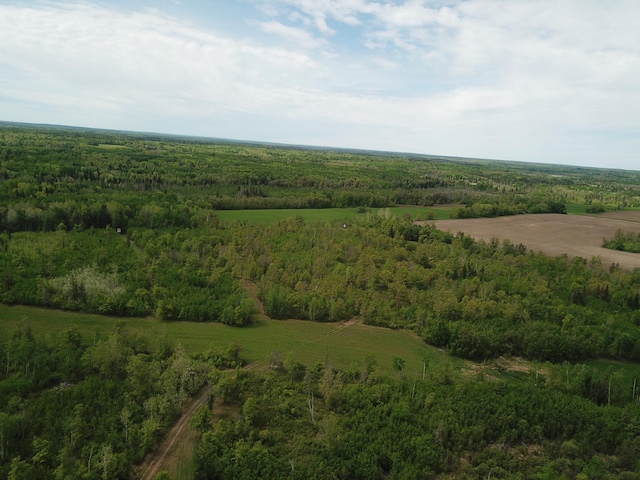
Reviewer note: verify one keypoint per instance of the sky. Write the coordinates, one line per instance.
(547, 81)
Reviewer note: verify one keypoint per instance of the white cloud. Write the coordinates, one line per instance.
(298, 36)
(320, 11)
(518, 79)
(78, 53)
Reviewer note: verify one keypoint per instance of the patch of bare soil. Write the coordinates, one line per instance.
(252, 291)
(554, 234)
(491, 369)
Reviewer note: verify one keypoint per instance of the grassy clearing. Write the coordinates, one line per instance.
(329, 214)
(582, 209)
(308, 342)
(110, 146)
(623, 374)
(180, 465)
(276, 215)
(344, 347)
(422, 213)
(443, 212)
(577, 209)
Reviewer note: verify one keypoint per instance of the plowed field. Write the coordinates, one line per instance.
(552, 234)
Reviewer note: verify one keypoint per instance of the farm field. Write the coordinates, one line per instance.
(136, 269)
(554, 234)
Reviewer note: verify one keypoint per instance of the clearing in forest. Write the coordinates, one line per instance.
(555, 234)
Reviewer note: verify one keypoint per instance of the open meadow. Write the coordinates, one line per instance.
(268, 216)
(342, 344)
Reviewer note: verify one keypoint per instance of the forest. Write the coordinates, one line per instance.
(127, 225)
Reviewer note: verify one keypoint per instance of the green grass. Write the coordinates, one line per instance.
(442, 213)
(276, 215)
(349, 214)
(327, 214)
(624, 373)
(308, 342)
(420, 213)
(111, 146)
(573, 209)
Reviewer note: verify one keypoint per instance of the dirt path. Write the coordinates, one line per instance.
(252, 291)
(157, 461)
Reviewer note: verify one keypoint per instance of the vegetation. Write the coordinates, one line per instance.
(317, 422)
(623, 241)
(174, 230)
(76, 411)
(311, 341)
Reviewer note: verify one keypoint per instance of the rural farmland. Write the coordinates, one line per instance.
(554, 234)
(221, 309)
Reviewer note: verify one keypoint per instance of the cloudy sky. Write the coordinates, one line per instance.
(554, 81)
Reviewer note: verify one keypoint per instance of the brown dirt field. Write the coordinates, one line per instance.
(628, 215)
(555, 234)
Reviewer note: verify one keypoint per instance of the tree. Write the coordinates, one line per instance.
(398, 365)
(126, 419)
(106, 459)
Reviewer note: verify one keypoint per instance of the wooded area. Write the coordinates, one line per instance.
(126, 224)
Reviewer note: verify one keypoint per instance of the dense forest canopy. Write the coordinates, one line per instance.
(42, 167)
(126, 224)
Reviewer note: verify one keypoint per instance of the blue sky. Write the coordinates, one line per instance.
(554, 81)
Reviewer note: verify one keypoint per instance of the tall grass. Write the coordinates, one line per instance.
(309, 342)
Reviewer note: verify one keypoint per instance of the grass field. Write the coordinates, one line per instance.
(440, 212)
(577, 209)
(622, 374)
(276, 215)
(309, 342)
(327, 214)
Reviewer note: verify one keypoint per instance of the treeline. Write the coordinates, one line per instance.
(73, 410)
(297, 422)
(158, 211)
(480, 210)
(40, 167)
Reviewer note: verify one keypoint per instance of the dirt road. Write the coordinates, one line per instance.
(156, 461)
